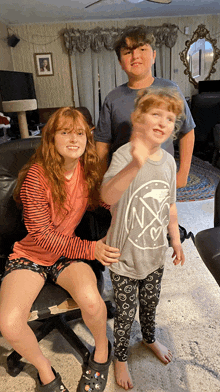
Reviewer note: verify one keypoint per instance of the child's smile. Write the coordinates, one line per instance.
(157, 124)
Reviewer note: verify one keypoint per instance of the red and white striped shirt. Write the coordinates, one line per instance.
(49, 235)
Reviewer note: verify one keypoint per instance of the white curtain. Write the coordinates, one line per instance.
(162, 66)
(90, 67)
(85, 80)
(87, 69)
(111, 74)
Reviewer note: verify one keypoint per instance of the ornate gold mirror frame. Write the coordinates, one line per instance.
(200, 33)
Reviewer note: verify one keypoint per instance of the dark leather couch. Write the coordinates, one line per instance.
(205, 109)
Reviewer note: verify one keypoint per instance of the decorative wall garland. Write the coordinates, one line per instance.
(97, 38)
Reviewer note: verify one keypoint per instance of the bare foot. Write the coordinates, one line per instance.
(162, 352)
(122, 375)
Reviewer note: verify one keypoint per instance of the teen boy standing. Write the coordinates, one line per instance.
(136, 52)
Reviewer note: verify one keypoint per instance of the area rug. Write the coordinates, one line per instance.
(202, 181)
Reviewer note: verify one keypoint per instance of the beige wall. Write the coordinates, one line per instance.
(51, 91)
(5, 50)
(56, 91)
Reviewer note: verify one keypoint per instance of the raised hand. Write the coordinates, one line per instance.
(140, 149)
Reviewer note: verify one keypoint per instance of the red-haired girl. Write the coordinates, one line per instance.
(55, 188)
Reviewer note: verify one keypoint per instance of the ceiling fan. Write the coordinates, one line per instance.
(133, 1)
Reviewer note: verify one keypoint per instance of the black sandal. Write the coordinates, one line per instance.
(95, 375)
(54, 386)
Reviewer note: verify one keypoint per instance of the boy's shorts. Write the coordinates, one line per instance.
(52, 272)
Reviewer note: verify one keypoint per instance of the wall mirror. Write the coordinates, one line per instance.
(200, 55)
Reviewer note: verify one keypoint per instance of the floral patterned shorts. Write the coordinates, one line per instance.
(51, 272)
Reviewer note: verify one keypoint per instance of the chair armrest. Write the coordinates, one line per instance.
(208, 245)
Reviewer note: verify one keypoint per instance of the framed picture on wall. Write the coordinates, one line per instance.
(44, 64)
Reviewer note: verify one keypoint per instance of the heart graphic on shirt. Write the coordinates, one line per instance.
(155, 232)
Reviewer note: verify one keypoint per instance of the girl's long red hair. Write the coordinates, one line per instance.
(52, 162)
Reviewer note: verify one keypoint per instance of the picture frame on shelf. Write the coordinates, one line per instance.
(44, 64)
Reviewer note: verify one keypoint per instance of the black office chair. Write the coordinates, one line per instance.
(216, 154)
(53, 307)
(208, 242)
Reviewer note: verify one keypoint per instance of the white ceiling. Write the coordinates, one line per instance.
(47, 11)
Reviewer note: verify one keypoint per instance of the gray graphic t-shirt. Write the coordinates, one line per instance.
(140, 218)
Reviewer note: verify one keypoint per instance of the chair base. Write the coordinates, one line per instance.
(59, 322)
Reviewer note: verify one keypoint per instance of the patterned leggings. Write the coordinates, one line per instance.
(127, 291)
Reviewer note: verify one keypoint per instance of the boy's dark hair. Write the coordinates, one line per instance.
(138, 34)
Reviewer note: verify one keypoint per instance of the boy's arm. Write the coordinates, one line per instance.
(186, 145)
(173, 229)
(103, 134)
(103, 152)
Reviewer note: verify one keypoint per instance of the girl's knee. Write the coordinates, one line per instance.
(11, 325)
(94, 305)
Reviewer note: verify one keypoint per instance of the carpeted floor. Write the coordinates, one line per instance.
(202, 182)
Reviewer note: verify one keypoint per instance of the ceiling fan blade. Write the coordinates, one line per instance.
(153, 1)
(161, 1)
(95, 2)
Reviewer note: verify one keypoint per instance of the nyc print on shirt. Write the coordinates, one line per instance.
(147, 215)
